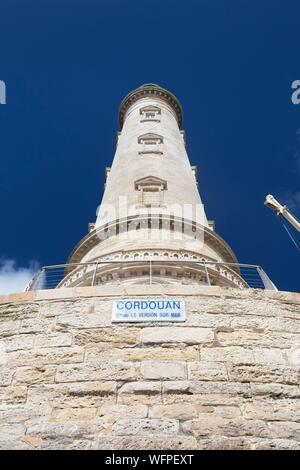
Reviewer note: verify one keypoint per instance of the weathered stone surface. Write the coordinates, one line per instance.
(19, 342)
(188, 353)
(53, 340)
(227, 378)
(11, 436)
(220, 426)
(23, 412)
(183, 412)
(63, 415)
(56, 307)
(35, 442)
(18, 311)
(37, 325)
(133, 427)
(222, 411)
(78, 320)
(79, 394)
(263, 373)
(43, 356)
(274, 444)
(34, 375)
(97, 371)
(275, 390)
(152, 442)
(5, 376)
(123, 411)
(9, 328)
(13, 395)
(285, 429)
(146, 393)
(272, 410)
(259, 337)
(233, 354)
(206, 393)
(61, 432)
(114, 335)
(141, 387)
(269, 356)
(165, 334)
(224, 443)
(163, 370)
(207, 371)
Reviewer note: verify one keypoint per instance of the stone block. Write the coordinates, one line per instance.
(126, 335)
(149, 442)
(34, 375)
(260, 337)
(146, 393)
(139, 427)
(5, 376)
(19, 342)
(225, 427)
(13, 395)
(166, 334)
(207, 371)
(272, 410)
(43, 356)
(264, 373)
(187, 353)
(231, 353)
(72, 395)
(182, 412)
(53, 340)
(269, 356)
(66, 415)
(97, 371)
(163, 370)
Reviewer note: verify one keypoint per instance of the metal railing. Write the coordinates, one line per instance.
(151, 271)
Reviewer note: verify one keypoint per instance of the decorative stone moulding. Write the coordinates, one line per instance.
(151, 90)
(159, 221)
(153, 266)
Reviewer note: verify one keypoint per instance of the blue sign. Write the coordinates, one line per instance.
(135, 310)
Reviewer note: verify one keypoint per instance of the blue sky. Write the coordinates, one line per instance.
(67, 64)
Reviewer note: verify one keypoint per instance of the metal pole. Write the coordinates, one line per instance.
(150, 266)
(94, 275)
(36, 280)
(268, 284)
(207, 275)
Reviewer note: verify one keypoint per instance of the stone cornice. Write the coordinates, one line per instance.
(153, 91)
(102, 233)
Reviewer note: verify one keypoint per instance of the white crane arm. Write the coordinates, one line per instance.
(272, 203)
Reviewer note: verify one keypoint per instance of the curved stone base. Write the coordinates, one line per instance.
(226, 378)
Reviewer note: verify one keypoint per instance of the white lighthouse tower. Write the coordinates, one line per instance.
(151, 223)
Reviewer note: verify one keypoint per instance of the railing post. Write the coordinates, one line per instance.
(35, 281)
(268, 284)
(207, 274)
(94, 275)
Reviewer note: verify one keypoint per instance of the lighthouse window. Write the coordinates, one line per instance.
(150, 143)
(150, 113)
(151, 191)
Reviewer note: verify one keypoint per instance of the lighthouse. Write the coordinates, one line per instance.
(150, 337)
(151, 224)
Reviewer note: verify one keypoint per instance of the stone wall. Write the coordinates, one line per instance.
(227, 378)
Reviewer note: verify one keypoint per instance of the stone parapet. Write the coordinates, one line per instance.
(226, 378)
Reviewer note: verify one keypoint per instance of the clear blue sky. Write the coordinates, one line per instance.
(67, 65)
